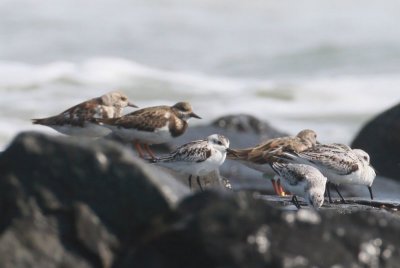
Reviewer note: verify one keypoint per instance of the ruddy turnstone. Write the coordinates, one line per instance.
(197, 158)
(302, 180)
(261, 156)
(80, 120)
(339, 163)
(152, 125)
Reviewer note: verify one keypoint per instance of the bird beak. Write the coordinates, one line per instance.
(194, 115)
(231, 152)
(132, 105)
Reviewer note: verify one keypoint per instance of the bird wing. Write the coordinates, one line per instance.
(76, 116)
(291, 172)
(195, 151)
(147, 119)
(340, 161)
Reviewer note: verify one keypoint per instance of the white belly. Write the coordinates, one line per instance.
(198, 168)
(298, 189)
(161, 135)
(89, 130)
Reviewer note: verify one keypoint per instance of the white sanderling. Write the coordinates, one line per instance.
(197, 158)
(340, 164)
(261, 156)
(302, 180)
(81, 119)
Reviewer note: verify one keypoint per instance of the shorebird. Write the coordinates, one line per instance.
(80, 120)
(340, 164)
(197, 158)
(302, 180)
(261, 156)
(152, 125)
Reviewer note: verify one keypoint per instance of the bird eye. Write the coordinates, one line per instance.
(219, 142)
(365, 158)
(123, 98)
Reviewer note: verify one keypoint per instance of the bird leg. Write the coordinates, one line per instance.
(138, 149)
(149, 151)
(190, 181)
(328, 190)
(370, 192)
(295, 202)
(276, 190)
(280, 188)
(198, 182)
(337, 190)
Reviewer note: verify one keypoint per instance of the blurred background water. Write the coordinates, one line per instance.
(326, 65)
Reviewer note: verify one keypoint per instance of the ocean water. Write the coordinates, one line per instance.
(326, 65)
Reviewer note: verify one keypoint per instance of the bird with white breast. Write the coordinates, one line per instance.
(152, 125)
(197, 158)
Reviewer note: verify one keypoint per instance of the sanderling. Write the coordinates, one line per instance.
(152, 125)
(80, 120)
(197, 158)
(261, 156)
(340, 164)
(302, 180)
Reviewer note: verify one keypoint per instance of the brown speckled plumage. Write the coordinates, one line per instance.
(107, 106)
(265, 153)
(152, 118)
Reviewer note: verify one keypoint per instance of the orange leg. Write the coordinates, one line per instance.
(280, 188)
(139, 149)
(275, 186)
(149, 151)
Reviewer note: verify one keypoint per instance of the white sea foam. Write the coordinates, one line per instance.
(335, 106)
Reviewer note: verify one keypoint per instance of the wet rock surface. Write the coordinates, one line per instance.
(81, 203)
(76, 203)
(380, 138)
(216, 229)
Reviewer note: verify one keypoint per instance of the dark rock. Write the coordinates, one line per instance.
(215, 229)
(248, 124)
(381, 139)
(76, 203)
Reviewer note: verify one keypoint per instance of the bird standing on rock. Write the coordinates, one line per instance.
(339, 163)
(197, 158)
(152, 125)
(81, 119)
(261, 156)
(303, 180)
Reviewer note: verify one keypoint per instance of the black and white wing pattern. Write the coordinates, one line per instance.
(195, 151)
(293, 173)
(338, 158)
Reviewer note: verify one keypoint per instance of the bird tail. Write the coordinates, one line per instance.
(162, 159)
(237, 154)
(37, 121)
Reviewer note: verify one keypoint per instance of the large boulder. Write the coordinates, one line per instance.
(223, 229)
(76, 203)
(381, 139)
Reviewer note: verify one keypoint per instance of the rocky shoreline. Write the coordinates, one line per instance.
(68, 202)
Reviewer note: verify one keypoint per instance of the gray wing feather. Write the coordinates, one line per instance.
(340, 160)
(195, 151)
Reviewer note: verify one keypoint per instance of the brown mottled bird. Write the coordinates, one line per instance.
(80, 120)
(152, 125)
(261, 156)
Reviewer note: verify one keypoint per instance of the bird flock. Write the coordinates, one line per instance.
(296, 165)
